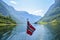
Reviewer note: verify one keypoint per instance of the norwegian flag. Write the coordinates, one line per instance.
(30, 28)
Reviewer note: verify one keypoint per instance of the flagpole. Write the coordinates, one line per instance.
(26, 31)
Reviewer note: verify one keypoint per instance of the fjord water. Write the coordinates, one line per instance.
(19, 33)
(5, 31)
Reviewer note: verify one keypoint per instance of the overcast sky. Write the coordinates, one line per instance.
(36, 7)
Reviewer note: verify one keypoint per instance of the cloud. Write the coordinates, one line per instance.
(13, 2)
(37, 12)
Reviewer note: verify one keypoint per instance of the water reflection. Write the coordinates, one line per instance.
(18, 32)
(41, 33)
(5, 31)
(55, 30)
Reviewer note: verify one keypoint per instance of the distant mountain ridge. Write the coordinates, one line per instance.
(26, 15)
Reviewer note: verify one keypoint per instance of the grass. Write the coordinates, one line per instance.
(42, 23)
(6, 20)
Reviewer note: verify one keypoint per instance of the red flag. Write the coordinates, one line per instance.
(30, 28)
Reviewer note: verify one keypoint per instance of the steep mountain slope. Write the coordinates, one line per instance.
(52, 20)
(3, 8)
(53, 12)
(4, 12)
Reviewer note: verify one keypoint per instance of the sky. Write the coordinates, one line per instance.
(35, 7)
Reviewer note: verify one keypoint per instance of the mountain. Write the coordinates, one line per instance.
(52, 20)
(3, 8)
(26, 15)
(4, 12)
(53, 12)
(18, 16)
(21, 16)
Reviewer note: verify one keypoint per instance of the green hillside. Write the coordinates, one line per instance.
(6, 20)
(6, 24)
(52, 23)
(51, 20)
